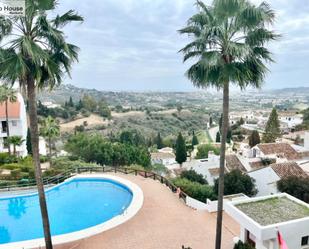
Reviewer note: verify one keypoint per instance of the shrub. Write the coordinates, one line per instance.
(10, 166)
(203, 150)
(16, 173)
(6, 158)
(192, 176)
(236, 182)
(195, 190)
(295, 186)
(242, 245)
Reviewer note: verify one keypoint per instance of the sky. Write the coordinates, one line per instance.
(132, 45)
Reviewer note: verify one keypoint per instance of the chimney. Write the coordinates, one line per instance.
(306, 140)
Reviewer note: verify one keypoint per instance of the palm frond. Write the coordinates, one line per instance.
(70, 16)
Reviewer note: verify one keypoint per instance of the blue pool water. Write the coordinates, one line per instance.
(74, 205)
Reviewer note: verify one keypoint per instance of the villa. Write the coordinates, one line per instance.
(261, 218)
(17, 124)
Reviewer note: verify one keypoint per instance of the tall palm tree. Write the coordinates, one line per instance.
(228, 44)
(7, 95)
(36, 54)
(15, 141)
(50, 129)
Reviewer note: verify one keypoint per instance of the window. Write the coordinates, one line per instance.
(4, 126)
(14, 123)
(305, 241)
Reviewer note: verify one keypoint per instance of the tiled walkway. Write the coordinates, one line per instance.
(164, 222)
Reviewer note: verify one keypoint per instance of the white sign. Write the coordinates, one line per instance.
(12, 7)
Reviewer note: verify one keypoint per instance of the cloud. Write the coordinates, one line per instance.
(133, 44)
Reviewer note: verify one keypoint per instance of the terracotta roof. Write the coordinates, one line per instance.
(256, 165)
(13, 110)
(283, 149)
(304, 154)
(287, 169)
(232, 162)
(162, 155)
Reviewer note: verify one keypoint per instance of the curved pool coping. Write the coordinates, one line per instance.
(129, 212)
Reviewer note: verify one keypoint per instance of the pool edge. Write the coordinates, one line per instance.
(130, 212)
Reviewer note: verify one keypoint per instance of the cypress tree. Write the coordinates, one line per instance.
(272, 129)
(71, 104)
(159, 141)
(210, 121)
(254, 138)
(229, 136)
(28, 142)
(218, 137)
(194, 140)
(181, 151)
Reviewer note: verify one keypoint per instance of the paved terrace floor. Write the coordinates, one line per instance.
(164, 222)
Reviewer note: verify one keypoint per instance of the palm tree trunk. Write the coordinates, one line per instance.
(50, 151)
(14, 152)
(36, 159)
(225, 125)
(7, 126)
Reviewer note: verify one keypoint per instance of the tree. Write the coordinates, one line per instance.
(89, 103)
(192, 176)
(254, 138)
(194, 140)
(272, 129)
(70, 103)
(218, 137)
(228, 45)
(241, 121)
(236, 182)
(295, 186)
(210, 121)
(28, 142)
(179, 108)
(15, 141)
(181, 151)
(158, 141)
(229, 136)
(34, 52)
(7, 95)
(50, 129)
(203, 151)
(104, 110)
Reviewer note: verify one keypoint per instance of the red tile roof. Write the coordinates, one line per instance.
(283, 149)
(232, 162)
(13, 110)
(287, 169)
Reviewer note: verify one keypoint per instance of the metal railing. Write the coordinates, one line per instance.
(50, 181)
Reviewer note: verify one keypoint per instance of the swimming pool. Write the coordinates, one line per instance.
(78, 208)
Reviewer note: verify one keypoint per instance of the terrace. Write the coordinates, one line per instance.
(164, 221)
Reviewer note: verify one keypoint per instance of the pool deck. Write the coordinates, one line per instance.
(164, 221)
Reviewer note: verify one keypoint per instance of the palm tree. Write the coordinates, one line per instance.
(7, 94)
(50, 129)
(228, 44)
(15, 141)
(36, 55)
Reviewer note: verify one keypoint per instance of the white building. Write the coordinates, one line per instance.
(164, 158)
(266, 178)
(17, 124)
(260, 219)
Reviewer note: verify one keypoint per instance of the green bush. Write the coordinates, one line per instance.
(195, 190)
(5, 158)
(236, 182)
(295, 186)
(192, 176)
(16, 173)
(203, 150)
(242, 245)
(10, 166)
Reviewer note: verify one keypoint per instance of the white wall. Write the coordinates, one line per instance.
(306, 140)
(265, 180)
